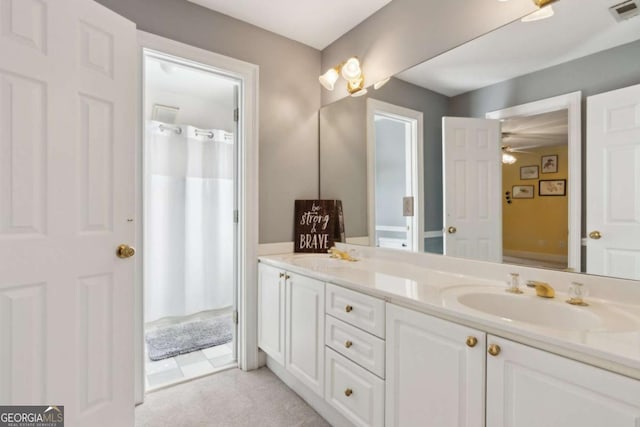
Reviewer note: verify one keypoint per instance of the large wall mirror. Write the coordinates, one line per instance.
(521, 146)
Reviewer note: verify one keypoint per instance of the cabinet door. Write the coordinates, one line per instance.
(433, 376)
(271, 301)
(527, 387)
(304, 342)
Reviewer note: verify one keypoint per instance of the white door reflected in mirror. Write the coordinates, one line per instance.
(613, 190)
(472, 188)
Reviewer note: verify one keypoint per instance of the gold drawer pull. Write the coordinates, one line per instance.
(348, 392)
(281, 275)
(472, 341)
(348, 344)
(494, 349)
(348, 308)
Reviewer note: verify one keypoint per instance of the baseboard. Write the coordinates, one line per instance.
(316, 402)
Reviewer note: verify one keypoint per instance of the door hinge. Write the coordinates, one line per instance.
(235, 317)
(236, 115)
(236, 216)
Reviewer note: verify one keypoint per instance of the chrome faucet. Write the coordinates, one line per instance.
(543, 289)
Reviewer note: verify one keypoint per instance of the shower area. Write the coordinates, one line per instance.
(190, 245)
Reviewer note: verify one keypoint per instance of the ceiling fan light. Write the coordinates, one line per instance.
(508, 159)
(351, 69)
(328, 79)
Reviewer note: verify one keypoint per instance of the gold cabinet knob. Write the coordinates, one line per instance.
(125, 251)
(348, 308)
(452, 230)
(348, 344)
(472, 341)
(287, 277)
(281, 275)
(595, 235)
(494, 349)
(348, 392)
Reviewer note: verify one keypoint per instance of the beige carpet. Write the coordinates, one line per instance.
(229, 398)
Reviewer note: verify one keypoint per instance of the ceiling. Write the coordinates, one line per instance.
(540, 130)
(314, 23)
(579, 28)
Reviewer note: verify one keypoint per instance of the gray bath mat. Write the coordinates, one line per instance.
(173, 340)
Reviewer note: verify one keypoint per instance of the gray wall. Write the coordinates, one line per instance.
(343, 151)
(407, 32)
(289, 97)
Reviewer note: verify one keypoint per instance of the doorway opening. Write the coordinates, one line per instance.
(190, 199)
(535, 169)
(395, 176)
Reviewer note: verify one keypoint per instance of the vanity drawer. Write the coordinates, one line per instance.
(355, 308)
(353, 391)
(361, 347)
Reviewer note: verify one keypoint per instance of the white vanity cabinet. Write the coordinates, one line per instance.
(304, 331)
(434, 371)
(527, 387)
(271, 311)
(291, 323)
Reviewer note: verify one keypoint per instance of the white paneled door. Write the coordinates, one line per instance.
(472, 188)
(613, 183)
(67, 140)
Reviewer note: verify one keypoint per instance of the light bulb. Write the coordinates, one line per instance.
(328, 79)
(508, 159)
(351, 69)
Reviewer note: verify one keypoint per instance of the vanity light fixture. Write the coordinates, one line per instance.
(351, 71)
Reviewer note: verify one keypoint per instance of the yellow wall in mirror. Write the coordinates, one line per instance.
(535, 227)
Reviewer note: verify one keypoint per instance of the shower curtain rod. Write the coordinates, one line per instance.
(178, 130)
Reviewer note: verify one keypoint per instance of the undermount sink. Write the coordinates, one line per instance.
(531, 309)
(552, 313)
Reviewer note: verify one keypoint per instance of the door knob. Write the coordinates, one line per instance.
(494, 349)
(595, 235)
(125, 251)
(451, 230)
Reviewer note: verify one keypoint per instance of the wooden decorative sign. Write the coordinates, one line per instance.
(318, 225)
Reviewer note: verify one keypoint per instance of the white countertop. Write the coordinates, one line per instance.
(614, 346)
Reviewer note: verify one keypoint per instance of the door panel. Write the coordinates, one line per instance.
(432, 376)
(304, 342)
(67, 141)
(472, 188)
(271, 301)
(613, 184)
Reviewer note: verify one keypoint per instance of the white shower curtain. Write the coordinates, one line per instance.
(189, 253)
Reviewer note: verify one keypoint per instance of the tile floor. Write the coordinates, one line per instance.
(187, 366)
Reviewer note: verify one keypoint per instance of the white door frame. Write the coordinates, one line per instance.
(572, 103)
(247, 196)
(374, 107)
